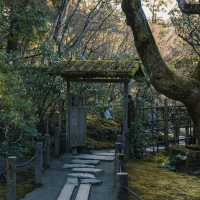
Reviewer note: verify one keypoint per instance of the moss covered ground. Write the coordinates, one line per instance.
(152, 182)
(101, 132)
(24, 185)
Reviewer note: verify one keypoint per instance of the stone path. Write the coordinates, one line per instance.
(80, 177)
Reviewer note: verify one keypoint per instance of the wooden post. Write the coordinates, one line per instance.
(38, 163)
(47, 151)
(119, 148)
(68, 118)
(186, 135)
(122, 180)
(11, 178)
(166, 124)
(125, 119)
(57, 142)
(121, 158)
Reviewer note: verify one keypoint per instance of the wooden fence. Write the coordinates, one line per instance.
(47, 147)
(165, 123)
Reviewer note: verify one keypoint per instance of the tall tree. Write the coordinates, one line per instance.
(184, 89)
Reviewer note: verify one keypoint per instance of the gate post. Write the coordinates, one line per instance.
(38, 163)
(11, 177)
(125, 120)
(122, 189)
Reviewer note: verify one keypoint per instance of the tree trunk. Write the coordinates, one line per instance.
(184, 89)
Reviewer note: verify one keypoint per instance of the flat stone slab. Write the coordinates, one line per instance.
(69, 166)
(103, 153)
(83, 192)
(91, 181)
(94, 157)
(66, 192)
(87, 162)
(87, 170)
(82, 175)
(72, 180)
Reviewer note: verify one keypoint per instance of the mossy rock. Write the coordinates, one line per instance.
(102, 129)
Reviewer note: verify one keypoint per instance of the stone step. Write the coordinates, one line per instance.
(94, 157)
(91, 181)
(103, 153)
(82, 175)
(89, 162)
(87, 170)
(73, 180)
(69, 166)
(66, 192)
(83, 192)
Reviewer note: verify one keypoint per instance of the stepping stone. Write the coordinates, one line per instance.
(66, 192)
(87, 162)
(94, 157)
(82, 175)
(91, 181)
(87, 170)
(83, 192)
(72, 180)
(69, 166)
(103, 154)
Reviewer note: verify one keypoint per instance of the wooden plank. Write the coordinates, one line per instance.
(66, 192)
(94, 157)
(89, 162)
(83, 192)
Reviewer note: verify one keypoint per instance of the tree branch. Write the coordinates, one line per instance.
(188, 8)
(161, 77)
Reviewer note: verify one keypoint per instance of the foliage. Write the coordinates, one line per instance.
(138, 140)
(17, 117)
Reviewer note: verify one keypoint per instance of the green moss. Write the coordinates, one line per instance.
(94, 144)
(22, 188)
(101, 123)
(154, 183)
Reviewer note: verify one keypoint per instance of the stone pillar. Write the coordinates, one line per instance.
(11, 177)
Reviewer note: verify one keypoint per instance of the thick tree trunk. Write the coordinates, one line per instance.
(186, 90)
